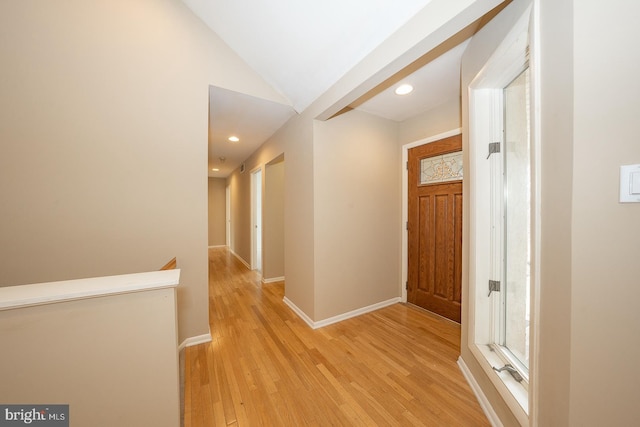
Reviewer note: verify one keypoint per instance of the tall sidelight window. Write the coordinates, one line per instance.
(511, 335)
(504, 171)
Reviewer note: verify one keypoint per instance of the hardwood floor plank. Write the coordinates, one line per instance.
(207, 406)
(371, 400)
(413, 419)
(237, 388)
(223, 390)
(188, 404)
(194, 384)
(266, 367)
(215, 394)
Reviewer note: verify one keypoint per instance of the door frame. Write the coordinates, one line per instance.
(405, 203)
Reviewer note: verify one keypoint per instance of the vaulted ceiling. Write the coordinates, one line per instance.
(302, 48)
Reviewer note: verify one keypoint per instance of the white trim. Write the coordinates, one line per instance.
(514, 394)
(191, 341)
(299, 312)
(534, 361)
(405, 201)
(357, 312)
(477, 390)
(245, 263)
(340, 317)
(272, 280)
(12, 297)
(217, 246)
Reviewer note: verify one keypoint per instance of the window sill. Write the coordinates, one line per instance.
(514, 394)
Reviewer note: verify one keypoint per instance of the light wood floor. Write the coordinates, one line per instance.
(266, 367)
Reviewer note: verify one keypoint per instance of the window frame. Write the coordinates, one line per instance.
(498, 219)
(485, 126)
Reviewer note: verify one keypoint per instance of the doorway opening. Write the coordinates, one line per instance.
(228, 216)
(256, 220)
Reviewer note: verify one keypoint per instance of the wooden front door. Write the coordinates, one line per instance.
(435, 230)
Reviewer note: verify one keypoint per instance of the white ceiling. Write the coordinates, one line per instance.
(301, 49)
(434, 84)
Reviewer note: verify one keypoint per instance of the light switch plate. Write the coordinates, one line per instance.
(630, 184)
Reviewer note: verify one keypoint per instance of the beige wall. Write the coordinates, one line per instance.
(556, 282)
(240, 189)
(443, 118)
(605, 319)
(273, 224)
(112, 359)
(217, 211)
(297, 141)
(104, 141)
(357, 213)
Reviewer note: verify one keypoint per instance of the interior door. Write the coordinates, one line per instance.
(435, 227)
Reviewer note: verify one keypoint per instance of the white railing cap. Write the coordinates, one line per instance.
(12, 297)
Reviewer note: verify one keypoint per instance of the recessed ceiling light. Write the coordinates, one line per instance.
(234, 139)
(404, 89)
(215, 170)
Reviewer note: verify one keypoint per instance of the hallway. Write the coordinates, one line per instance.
(266, 367)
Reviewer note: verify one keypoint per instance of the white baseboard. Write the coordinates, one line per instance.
(355, 313)
(273, 280)
(482, 399)
(217, 246)
(340, 317)
(191, 341)
(246, 264)
(299, 312)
